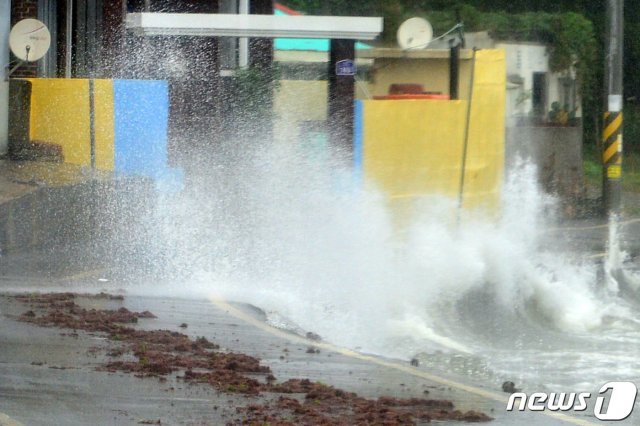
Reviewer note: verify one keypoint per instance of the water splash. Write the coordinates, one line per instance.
(618, 279)
(281, 230)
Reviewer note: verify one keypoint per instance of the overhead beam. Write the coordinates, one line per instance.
(265, 26)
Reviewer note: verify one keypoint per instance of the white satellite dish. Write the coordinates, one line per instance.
(414, 33)
(29, 40)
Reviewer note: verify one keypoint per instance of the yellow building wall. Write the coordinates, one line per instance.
(60, 116)
(297, 101)
(104, 124)
(485, 160)
(432, 73)
(414, 148)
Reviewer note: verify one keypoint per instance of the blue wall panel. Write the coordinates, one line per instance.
(141, 112)
(358, 135)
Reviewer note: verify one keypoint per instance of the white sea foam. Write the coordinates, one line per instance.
(298, 237)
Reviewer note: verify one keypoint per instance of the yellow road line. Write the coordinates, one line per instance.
(237, 313)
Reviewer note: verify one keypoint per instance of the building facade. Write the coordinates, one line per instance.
(89, 40)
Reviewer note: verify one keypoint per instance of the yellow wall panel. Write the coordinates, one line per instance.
(60, 116)
(414, 148)
(485, 160)
(104, 124)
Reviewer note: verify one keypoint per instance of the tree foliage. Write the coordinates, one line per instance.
(570, 36)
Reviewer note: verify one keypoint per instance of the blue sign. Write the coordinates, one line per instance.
(346, 67)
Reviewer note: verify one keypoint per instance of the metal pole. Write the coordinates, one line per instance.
(90, 63)
(68, 40)
(5, 24)
(341, 89)
(243, 42)
(612, 129)
(465, 146)
(454, 67)
(92, 123)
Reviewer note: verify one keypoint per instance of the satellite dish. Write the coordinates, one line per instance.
(415, 33)
(29, 40)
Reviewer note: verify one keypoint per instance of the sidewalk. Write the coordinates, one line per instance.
(10, 186)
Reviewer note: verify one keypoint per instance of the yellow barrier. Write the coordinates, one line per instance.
(60, 116)
(414, 148)
(104, 124)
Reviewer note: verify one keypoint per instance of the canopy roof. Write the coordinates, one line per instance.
(264, 26)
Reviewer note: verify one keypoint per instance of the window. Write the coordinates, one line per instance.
(47, 67)
(539, 92)
(568, 93)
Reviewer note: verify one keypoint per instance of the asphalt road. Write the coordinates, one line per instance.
(49, 377)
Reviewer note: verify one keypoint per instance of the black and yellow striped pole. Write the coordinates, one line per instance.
(612, 160)
(612, 129)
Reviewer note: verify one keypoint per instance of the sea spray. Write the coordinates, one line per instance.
(282, 231)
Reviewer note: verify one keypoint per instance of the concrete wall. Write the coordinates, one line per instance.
(557, 153)
(131, 119)
(523, 60)
(414, 148)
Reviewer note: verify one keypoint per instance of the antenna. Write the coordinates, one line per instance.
(414, 33)
(29, 40)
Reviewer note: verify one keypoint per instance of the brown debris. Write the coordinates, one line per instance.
(162, 352)
(103, 295)
(313, 336)
(323, 404)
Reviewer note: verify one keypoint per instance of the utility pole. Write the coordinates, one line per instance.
(612, 129)
(340, 96)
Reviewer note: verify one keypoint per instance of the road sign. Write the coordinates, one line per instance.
(346, 67)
